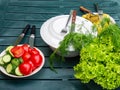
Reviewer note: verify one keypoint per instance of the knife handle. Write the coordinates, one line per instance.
(33, 29)
(27, 27)
(74, 16)
(84, 9)
(73, 21)
(96, 7)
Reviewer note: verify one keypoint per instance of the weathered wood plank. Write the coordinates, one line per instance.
(47, 74)
(67, 63)
(35, 17)
(11, 40)
(41, 85)
(15, 14)
(3, 6)
(37, 10)
(35, 3)
(21, 24)
(15, 32)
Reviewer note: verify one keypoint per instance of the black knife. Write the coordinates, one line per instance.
(20, 37)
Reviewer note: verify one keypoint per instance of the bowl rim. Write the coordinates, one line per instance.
(43, 31)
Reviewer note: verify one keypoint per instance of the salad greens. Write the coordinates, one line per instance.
(77, 40)
(100, 60)
(99, 56)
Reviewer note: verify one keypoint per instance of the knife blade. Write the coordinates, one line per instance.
(32, 36)
(20, 37)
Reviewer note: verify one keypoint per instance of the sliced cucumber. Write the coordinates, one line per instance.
(1, 61)
(21, 60)
(15, 61)
(6, 58)
(17, 72)
(8, 50)
(9, 68)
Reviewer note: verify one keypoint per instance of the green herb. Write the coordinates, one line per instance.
(104, 21)
(100, 60)
(113, 32)
(76, 39)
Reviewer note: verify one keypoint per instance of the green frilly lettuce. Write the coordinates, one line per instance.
(100, 60)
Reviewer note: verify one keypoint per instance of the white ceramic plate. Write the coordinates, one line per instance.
(50, 31)
(15, 76)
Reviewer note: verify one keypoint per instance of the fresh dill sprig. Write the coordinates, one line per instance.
(76, 39)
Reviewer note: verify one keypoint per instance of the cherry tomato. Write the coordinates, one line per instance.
(33, 51)
(30, 62)
(17, 51)
(26, 56)
(25, 47)
(36, 60)
(25, 68)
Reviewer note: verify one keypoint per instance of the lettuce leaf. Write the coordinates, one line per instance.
(100, 60)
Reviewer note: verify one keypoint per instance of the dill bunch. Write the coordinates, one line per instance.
(77, 40)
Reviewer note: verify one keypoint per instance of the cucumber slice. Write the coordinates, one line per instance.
(8, 50)
(1, 61)
(6, 58)
(21, 60)
(15, 61)
(17, 72)
(9, 68)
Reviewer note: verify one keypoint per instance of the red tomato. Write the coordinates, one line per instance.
(26, 56)
(17, 51)
(36, 60)
(30, 62)
(25, 68)
(33, 51)
(25, 47)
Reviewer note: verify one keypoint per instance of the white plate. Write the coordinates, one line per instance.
(15, 76)
(50, 31)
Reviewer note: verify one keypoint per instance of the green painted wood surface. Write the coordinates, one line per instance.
(42, 85)
(15, 14)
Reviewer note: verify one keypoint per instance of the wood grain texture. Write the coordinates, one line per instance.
(15, 14)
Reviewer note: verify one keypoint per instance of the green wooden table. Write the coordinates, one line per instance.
(15, 14)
